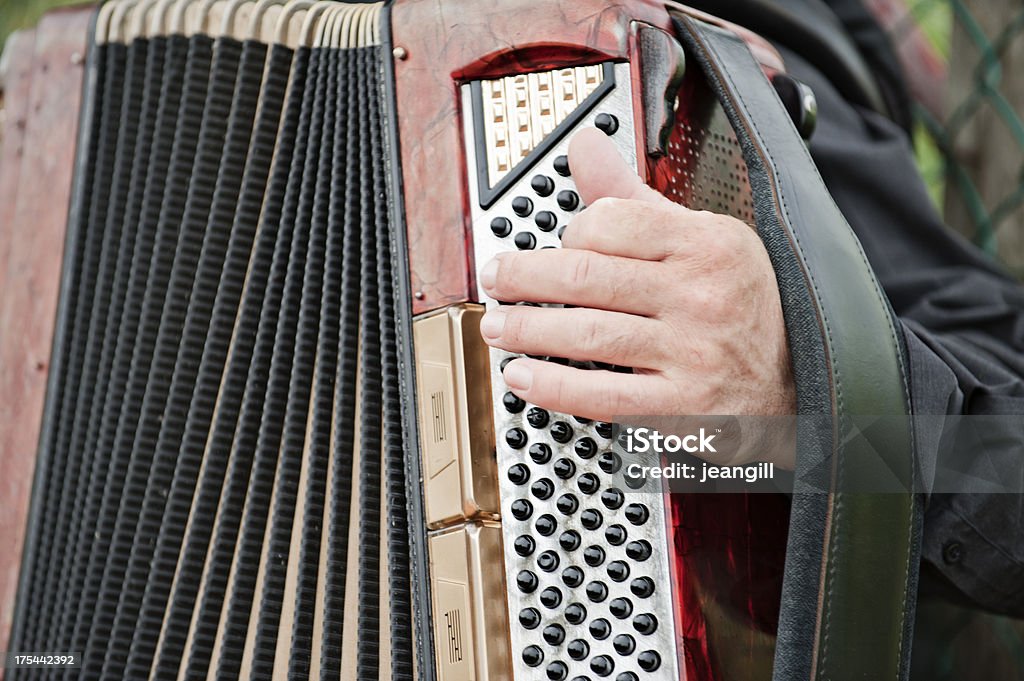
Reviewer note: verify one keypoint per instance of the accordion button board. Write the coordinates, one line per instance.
(586, 558)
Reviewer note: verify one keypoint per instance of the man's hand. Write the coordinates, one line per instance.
(686, 298)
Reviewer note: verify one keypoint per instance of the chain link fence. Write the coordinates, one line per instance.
(971, 113)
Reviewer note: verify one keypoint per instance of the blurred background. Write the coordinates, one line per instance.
(15, 14)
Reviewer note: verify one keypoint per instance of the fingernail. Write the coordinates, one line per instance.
(493, 323)
(489, 274)
(518, 375)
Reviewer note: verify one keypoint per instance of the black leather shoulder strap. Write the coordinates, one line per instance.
(852, 558)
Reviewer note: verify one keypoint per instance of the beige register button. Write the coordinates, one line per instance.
(455, 416)
(471, 638)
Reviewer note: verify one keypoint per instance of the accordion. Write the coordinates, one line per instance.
(274, 443)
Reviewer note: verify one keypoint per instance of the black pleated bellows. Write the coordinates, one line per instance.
(220, 490)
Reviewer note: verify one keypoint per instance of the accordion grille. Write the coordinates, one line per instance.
(221, 490)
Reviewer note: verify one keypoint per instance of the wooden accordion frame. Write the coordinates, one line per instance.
(274, 445)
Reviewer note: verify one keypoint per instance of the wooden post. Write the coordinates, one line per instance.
(41, 78)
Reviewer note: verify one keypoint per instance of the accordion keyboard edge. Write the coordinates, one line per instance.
(275, 445)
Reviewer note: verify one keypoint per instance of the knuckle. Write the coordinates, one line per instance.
(516, 329)
(582, 269)
(629, 399)
(602, 206)
(598, 341)
(514, 267)
(590, 340)
(559, 390)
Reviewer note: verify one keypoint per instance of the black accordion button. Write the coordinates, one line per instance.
(568, 199)
(516, 438)
(602, 665)
(597, 592)
(615, 535)
(645, 624)
(588, 483)
(575, 613)
(642, 587)
(533, 656)
(624, 644)
(621, 608)
(610, 462)
(606, 123)
(561, 164)
(524, 545)
(572, 576)
(591, 519)
(554, 634)
(522, 206)
(578, 649)
(521, 509)
(638, 550)
(637, 514)
(649, 660)
(548, 561)
(546, 525)
(561, 432)
(542, 184)
(611, 498)
(635, 481)
(501, 227)
(527, 581)
(585, 448)
(504, 362)
(551, 597)
(525, 241)
(627, 676)
(567, 504)
(564, 468)
(529, 618)
(618, 571)
(604, 429)
(600, 629)
(593, 556)
(557, 671)
(518, 474)
(546, 220)
(513, 403)
(543, 489)
(540, 453)
(570, 540)
(537, 417)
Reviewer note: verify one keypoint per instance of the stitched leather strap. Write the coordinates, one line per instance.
(852, 558)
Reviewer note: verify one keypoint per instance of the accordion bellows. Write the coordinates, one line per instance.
(274, 444)
(228, 340)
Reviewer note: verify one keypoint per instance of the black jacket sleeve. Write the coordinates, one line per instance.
(963, 325)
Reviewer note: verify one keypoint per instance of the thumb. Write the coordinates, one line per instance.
(600, 171)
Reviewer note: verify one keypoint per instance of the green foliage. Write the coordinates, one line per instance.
(15, 14)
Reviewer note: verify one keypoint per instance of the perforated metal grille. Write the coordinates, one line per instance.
(703, 167)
